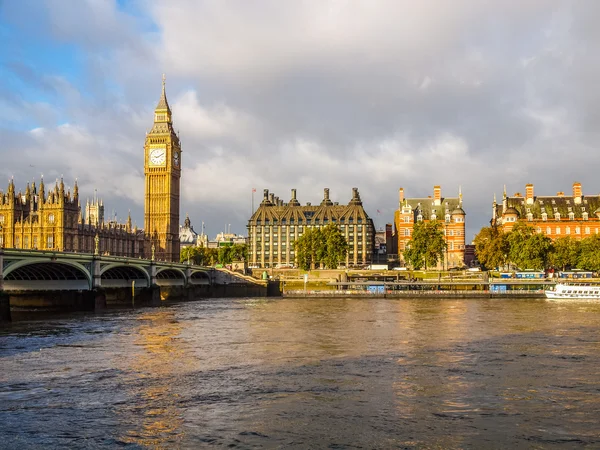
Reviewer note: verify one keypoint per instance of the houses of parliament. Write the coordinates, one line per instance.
(53, 219)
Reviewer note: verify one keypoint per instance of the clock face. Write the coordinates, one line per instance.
(176, 159)
(157, 156)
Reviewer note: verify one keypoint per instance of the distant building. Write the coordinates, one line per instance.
(275, 225)
(577, 215)
(187, 236)
(384, 247)
(470, 259)
(447, 210)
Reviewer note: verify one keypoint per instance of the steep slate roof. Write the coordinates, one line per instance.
(563, 204)
(426, 207)
(273, 209)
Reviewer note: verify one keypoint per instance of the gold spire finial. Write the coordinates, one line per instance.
(162, 102)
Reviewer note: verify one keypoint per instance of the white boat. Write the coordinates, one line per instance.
(574, 292)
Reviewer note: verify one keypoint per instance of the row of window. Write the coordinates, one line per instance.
(402, 246)
(267, 253)
(584, 216)
(299, 228)
(304, 222)
(458, 219)
(558, 230)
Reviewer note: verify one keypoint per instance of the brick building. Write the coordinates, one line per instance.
(576, 215)
(447, 210)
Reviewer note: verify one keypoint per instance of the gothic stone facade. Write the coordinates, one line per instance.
(447, 210)
(577, 215)
(52, 220)
(275, 225)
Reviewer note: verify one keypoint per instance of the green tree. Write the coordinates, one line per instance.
(491, 247)
(336, 247)
(565, 253)
(224, 254)
(239, 252)
(426, 246)
(309, 248)
(528, 249)
(318, 247)
(589, 256)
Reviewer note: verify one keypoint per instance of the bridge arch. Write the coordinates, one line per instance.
(171, 276)
(120, 275)
(43, 274)
(200, 277)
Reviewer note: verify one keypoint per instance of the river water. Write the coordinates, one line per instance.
(317, 373)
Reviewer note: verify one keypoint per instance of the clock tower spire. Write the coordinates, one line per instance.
(162, 170)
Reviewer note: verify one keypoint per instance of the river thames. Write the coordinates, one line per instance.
(317, 373)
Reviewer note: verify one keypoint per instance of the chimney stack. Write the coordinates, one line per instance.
(400, 196)
(326, 194)
(577, 193)
(529, 194)
(437, 195)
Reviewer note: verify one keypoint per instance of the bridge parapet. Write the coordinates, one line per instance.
(30, 269)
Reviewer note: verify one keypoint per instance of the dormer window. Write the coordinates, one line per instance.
(420, 218)
(571, 215)
(433, 216)
(447, 218)
(584, 215)
(557, 216)
(544, 216)
(529, 217)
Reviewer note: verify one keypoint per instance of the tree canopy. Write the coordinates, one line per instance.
(202, 256)
(491, 247)
(589, 256)
(528, 249)
(426, 246)
(321, 246)
(565, 253)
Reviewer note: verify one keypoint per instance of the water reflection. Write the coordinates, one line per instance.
(309, 373)
(152, 416)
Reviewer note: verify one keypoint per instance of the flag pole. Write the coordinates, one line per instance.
(252, 212)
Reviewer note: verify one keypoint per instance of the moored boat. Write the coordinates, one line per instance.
(574, 292)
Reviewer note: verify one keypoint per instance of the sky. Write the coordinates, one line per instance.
(308, 94)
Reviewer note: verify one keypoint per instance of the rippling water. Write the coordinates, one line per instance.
(337, 373)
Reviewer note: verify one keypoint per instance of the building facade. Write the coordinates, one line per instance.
(560, 215)
(53, 220)
(447, 210)
(162, 170)
(275, 226)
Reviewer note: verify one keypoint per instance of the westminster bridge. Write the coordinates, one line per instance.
(37, 279)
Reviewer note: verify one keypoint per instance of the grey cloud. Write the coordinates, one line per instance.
(339, 94)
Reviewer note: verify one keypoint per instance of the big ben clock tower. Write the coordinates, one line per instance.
(162, 169)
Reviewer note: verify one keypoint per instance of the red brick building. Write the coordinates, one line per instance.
(577, 215)
(447, 210)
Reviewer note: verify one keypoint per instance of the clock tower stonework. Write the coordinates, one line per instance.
(162, 170)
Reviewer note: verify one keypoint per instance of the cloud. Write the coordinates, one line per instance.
(313, 94)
